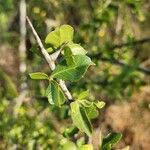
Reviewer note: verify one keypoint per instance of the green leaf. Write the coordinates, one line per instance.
(63, 112)
(73, 72)
(92, 112)
(66, 34)
(110, 140)
(60, 35)
(83, 94)
(50, 49)
(35, 49)
(70, 50)
(90, 108)
(76, 49)
(85, 103)
(80, 118)
(107, 147)
(69, 57)
(48, 94)
(53, 38)
(99, 104)
(7, 83)
(70, 132)
(86, 147)
(55, 94)
(38, 76)
(68, 145)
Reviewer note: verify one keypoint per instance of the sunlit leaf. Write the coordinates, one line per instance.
(63, 34)
(66, 34)
(126, 148)
(50, 49)
(85, 103)
(80, 118)
(90, 107)
(86, 147)
(68, 146)
(38, 76)
(99, 104)
(53, 38)
(83, 94)
(73, 72)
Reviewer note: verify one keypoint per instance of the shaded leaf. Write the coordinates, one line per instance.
(55, 94)
(63, 112)
(48, 94)
(80, 118)
(10, 88)
(71, 131)
(92, 112)
(38, 76)
(35, 49)
(69, 57)
(73, 72)
(110, 140)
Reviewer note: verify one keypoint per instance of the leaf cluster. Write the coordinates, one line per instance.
(72, 67)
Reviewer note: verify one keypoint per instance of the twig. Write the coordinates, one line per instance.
(50, 59)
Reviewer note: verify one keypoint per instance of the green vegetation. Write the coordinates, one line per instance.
(64, 66)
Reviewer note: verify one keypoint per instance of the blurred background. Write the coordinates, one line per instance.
(116, 34)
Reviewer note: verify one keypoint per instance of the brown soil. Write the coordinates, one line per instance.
(132, 119)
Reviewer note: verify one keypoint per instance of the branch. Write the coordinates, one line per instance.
(117, 62)
(43, 50)
(22, 45)
(136, 42)
(50, 59)
(22, 56)
(120, 63)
